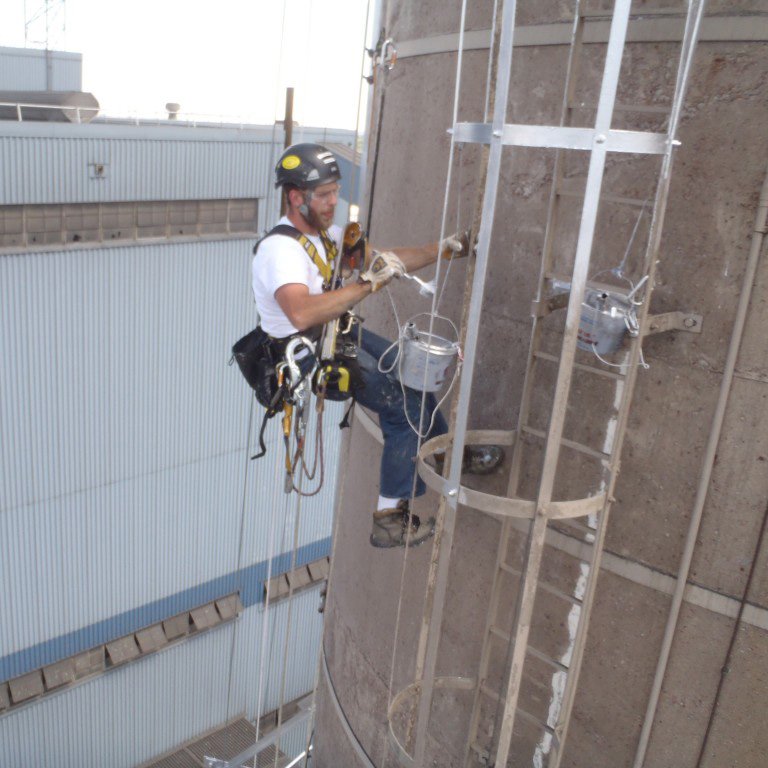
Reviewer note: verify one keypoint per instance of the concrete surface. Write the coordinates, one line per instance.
(716, 180)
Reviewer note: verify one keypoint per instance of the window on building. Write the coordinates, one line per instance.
(35, 225)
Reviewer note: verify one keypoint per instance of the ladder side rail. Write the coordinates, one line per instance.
(428, 608)
(577, 35)
(463, 402)
(476, 217)
(608, 90)
(566, 113)
(490, 620)
(693, 22)
(692, 27)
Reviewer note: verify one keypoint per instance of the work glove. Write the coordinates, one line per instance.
(455, 245)
(383, 268)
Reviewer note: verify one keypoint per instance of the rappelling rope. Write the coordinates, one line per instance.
(289, 621)
(619, 271)
(241, 538)
(264, 657)
(299, 460)
(340, 483)
(457, 90)
(341, 476)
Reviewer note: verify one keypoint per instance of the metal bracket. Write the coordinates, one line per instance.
(672, 321)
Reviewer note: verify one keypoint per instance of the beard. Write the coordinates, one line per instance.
(314, 220)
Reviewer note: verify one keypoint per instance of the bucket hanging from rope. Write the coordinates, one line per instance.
(606, 318)
(425, 359)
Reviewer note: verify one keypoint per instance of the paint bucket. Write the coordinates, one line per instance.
(424, 359)
(606, 318)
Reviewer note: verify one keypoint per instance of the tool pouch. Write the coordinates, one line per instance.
(255, 358)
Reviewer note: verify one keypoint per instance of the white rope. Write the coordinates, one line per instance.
(457, 90)
(241, 538)
(354, 194)
(340, 482)
(641, 362)
(289, 621)
(265, 641)
(263, 656)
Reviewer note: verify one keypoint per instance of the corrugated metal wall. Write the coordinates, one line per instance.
(25, 69)
(54, 164)
(124, 433)
(126, 476)
(60, 170)
(135, 713)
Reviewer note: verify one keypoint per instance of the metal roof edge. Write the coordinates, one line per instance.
(160, 131)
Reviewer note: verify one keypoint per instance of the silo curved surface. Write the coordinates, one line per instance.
(718, 174)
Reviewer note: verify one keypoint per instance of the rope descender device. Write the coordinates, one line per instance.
(297, 396)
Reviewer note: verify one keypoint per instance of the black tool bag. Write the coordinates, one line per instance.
(255, 357)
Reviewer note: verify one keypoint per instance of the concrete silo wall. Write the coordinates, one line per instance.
(717, 178)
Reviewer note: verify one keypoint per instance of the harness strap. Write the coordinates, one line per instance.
(331, 251)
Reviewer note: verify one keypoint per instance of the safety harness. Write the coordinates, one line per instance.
(281, 370)
(324, 266)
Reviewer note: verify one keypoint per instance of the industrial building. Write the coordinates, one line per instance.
(598, 602)
(137, 538)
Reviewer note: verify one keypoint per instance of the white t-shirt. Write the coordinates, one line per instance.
(281, 260)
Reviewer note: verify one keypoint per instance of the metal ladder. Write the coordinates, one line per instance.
(512, 632)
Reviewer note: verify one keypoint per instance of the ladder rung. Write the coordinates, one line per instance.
(497, 697)
(649, 109)
(581, 367)
(574, 522)
(545, 585)
(480, 750)
(535, 720)
(595, 13)
(490, 693)
(572, 444)
(619, 199)
(558, 665)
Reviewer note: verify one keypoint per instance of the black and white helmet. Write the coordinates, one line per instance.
(306, 166)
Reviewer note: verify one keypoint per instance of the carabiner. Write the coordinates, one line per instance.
(290, 359)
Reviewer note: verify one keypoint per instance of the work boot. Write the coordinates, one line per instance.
(478, 459)
(398, 527)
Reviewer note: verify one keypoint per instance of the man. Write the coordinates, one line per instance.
(293, 296)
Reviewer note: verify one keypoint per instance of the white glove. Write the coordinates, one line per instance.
(383, 268)
(455, 245)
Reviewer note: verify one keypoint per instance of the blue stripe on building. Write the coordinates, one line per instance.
(248, 582)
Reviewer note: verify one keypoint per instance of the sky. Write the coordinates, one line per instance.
(223, 58)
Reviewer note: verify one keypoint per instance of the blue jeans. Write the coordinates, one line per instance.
(383, 394)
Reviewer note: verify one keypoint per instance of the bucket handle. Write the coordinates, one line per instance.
(395, 343)
(439, 317)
